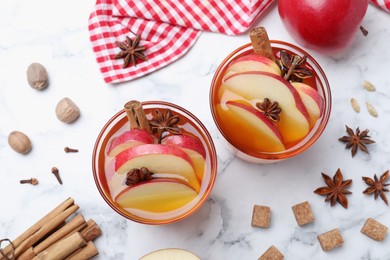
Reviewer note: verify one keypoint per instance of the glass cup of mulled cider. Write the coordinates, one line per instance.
(266, 110)
(154, 162)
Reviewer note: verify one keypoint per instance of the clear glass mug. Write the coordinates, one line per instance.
(323, 89)
(102, 167)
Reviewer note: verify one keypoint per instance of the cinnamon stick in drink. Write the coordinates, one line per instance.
(136, 115)
(260, 43)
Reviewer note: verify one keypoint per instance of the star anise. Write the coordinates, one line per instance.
(336, 190)
(292, 66)
(135, 176)
(130, 51)
(356, 140)
(377, 186)
(164, 123)
(270, 109)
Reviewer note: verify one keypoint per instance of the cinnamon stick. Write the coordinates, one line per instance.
(62, 248)
(45, 229)
(91, 232)
(84, 253)
(260, 43)
(34, 228)
(136, 115)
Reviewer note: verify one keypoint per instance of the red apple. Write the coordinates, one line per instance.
(158, 158)
(327, 26)
(129, 139)
(253, 62)
(192, 146)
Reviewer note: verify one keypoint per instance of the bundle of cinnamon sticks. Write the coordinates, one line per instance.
(56, 237)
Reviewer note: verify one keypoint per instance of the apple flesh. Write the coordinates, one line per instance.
(253, 62)
(257, 131)
(312, 100)
(158, 158)
(170, 254)
(192, 146)
(159, 195)
(255, 86)
(322, 25)
(128, 139)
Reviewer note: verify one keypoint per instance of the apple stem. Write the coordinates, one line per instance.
(295, 62)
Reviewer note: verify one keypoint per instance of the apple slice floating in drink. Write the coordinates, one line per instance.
(159, 195)
(257, 130)
(128, 139)
(294, 118)
(192, 146)
(253, 62)
(312, 100)
(158, 158)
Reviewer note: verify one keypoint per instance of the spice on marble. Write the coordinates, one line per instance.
(358, 139)
(355, 105)
(377, 186)
(371, 109)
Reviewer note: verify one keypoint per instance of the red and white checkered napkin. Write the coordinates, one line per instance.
(168, 29)
(384, 4)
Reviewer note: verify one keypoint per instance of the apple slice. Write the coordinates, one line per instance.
(160, 195)
(256, 130)
(294, 118)
(192, 146)
(129, 139)
(158, 158)
(170, 254)
(312, 100)
(253, 62)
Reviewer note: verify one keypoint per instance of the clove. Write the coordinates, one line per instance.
(70, 150)
(56, 173)
(32, 181)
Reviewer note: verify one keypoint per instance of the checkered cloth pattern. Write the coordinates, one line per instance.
(167, 28)
(384, 4)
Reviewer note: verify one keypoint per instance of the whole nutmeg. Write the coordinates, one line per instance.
(19, 142)
(67, 111)
(37, 76)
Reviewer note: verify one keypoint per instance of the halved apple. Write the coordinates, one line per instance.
(158, 158)
(253, 62)
(256, 85)
(128, 139)
(159, 195)
(312, 100)
(192, 146)
(256, 130)
(170, 254)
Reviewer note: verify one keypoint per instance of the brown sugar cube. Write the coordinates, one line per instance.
(303, 213)
(331, 239)
(374, 229)
(272, 253)
(261, 216)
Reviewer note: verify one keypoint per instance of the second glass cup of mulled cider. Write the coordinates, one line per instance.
(269, 99)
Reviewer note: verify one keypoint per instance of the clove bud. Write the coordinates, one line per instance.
(32, 181)
(56, 173)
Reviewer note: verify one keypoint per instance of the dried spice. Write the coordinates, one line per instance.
(32, 181)
(167, 122)
(377, 186)
(368, 86)
(135, 176)
(355, 105)
(292, 67)
(371, 109)
(130, 51)
(336, 189)
(356, 140)
(270, 109)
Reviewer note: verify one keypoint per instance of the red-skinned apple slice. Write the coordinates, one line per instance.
(257, 130)
(128, 139)
(192, 146)
(170, 254)
(253, 62)
(255, 85)
(312, 100)
(158, 158)
(159, 195)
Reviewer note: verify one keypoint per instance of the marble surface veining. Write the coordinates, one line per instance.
(55, 34)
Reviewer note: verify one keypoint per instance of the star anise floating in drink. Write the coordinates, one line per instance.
(135, 176)
(130, 51)
(270, 109)
(336, 189)
(164, 123)
(292, 66)
(377, 186)
(356, 140)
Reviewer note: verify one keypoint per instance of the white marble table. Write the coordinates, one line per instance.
(55, 34)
